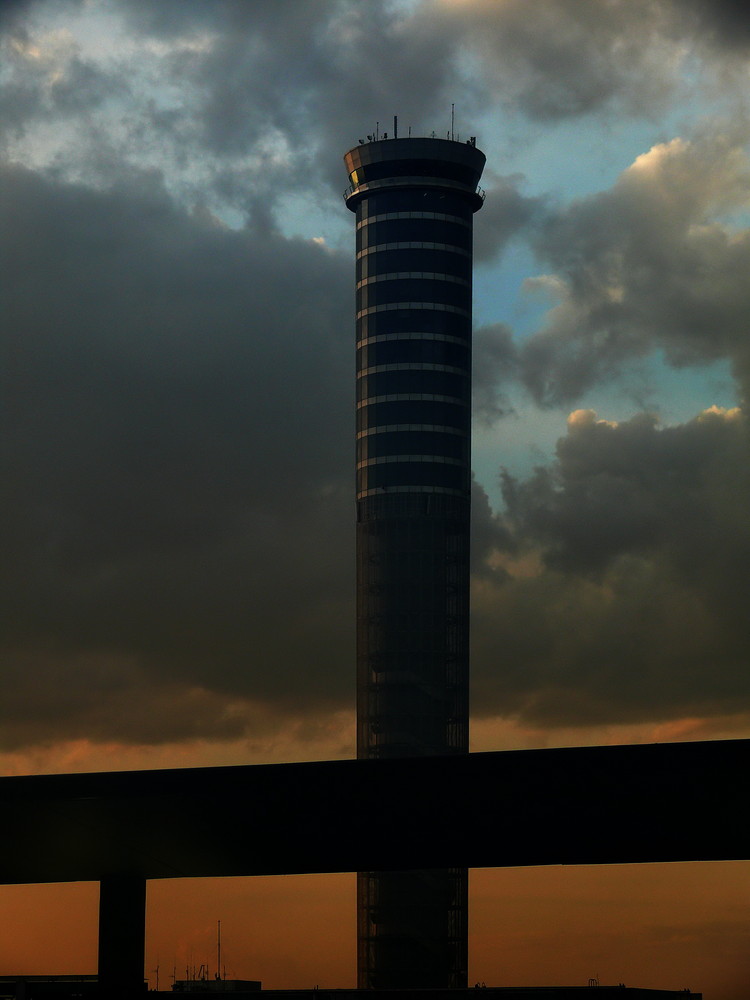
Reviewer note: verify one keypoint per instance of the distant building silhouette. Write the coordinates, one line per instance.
(414, 201)
(64, 987)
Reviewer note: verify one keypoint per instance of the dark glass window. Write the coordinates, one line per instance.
(413, 383)
(375, 509)
(436, 261)
(412, 443)
(414, 321)
(415, 200)
(416, 168)
(416, 411)
(412, 474)
(436, 352)
(414, 290)
(414, 231)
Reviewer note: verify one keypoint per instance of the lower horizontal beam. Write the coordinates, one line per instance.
(590, 805)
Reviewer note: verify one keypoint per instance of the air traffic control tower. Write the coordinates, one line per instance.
(414, 200)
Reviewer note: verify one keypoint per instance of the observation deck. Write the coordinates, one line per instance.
(396, 164)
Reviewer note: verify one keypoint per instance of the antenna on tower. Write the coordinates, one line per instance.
(453, 107)
(395, 126)
(218, 949)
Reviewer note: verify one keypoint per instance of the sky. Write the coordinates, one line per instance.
(177, 448)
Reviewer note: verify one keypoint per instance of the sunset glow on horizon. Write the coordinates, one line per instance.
(644, 925)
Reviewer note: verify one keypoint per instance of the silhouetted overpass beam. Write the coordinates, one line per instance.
(591, 805)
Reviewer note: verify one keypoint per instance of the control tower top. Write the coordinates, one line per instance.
(393, 164)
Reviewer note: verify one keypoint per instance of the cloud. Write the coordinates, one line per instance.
(569, 59)
(494, 365)
(656, 262)
(237, 105)
(48, 79)
(506, 213)
(179, 391)
(620, 597)
(177, 403)
(718, 22)
(234, 98)
(573, 58)
(241, 105)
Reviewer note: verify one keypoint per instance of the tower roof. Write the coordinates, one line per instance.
(414, 162)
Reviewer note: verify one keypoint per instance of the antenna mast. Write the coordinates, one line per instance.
(453, 106)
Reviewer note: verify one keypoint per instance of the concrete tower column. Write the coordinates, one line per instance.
(414, 201)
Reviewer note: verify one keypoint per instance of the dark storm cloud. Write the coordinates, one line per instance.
(321, 74)
(179, 394)
(724, 23)
(266, 95)
(495, 362)
(559, 59)
(623, 596)
(314, 75)
(261, 98)
(14, 12)
(658, 261)
(177, 405)
(50, 83)
(506, 214)
(489, 534)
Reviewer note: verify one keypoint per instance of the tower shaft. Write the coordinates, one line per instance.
(414, 201)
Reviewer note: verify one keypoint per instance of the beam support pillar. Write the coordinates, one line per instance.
(122, 936)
